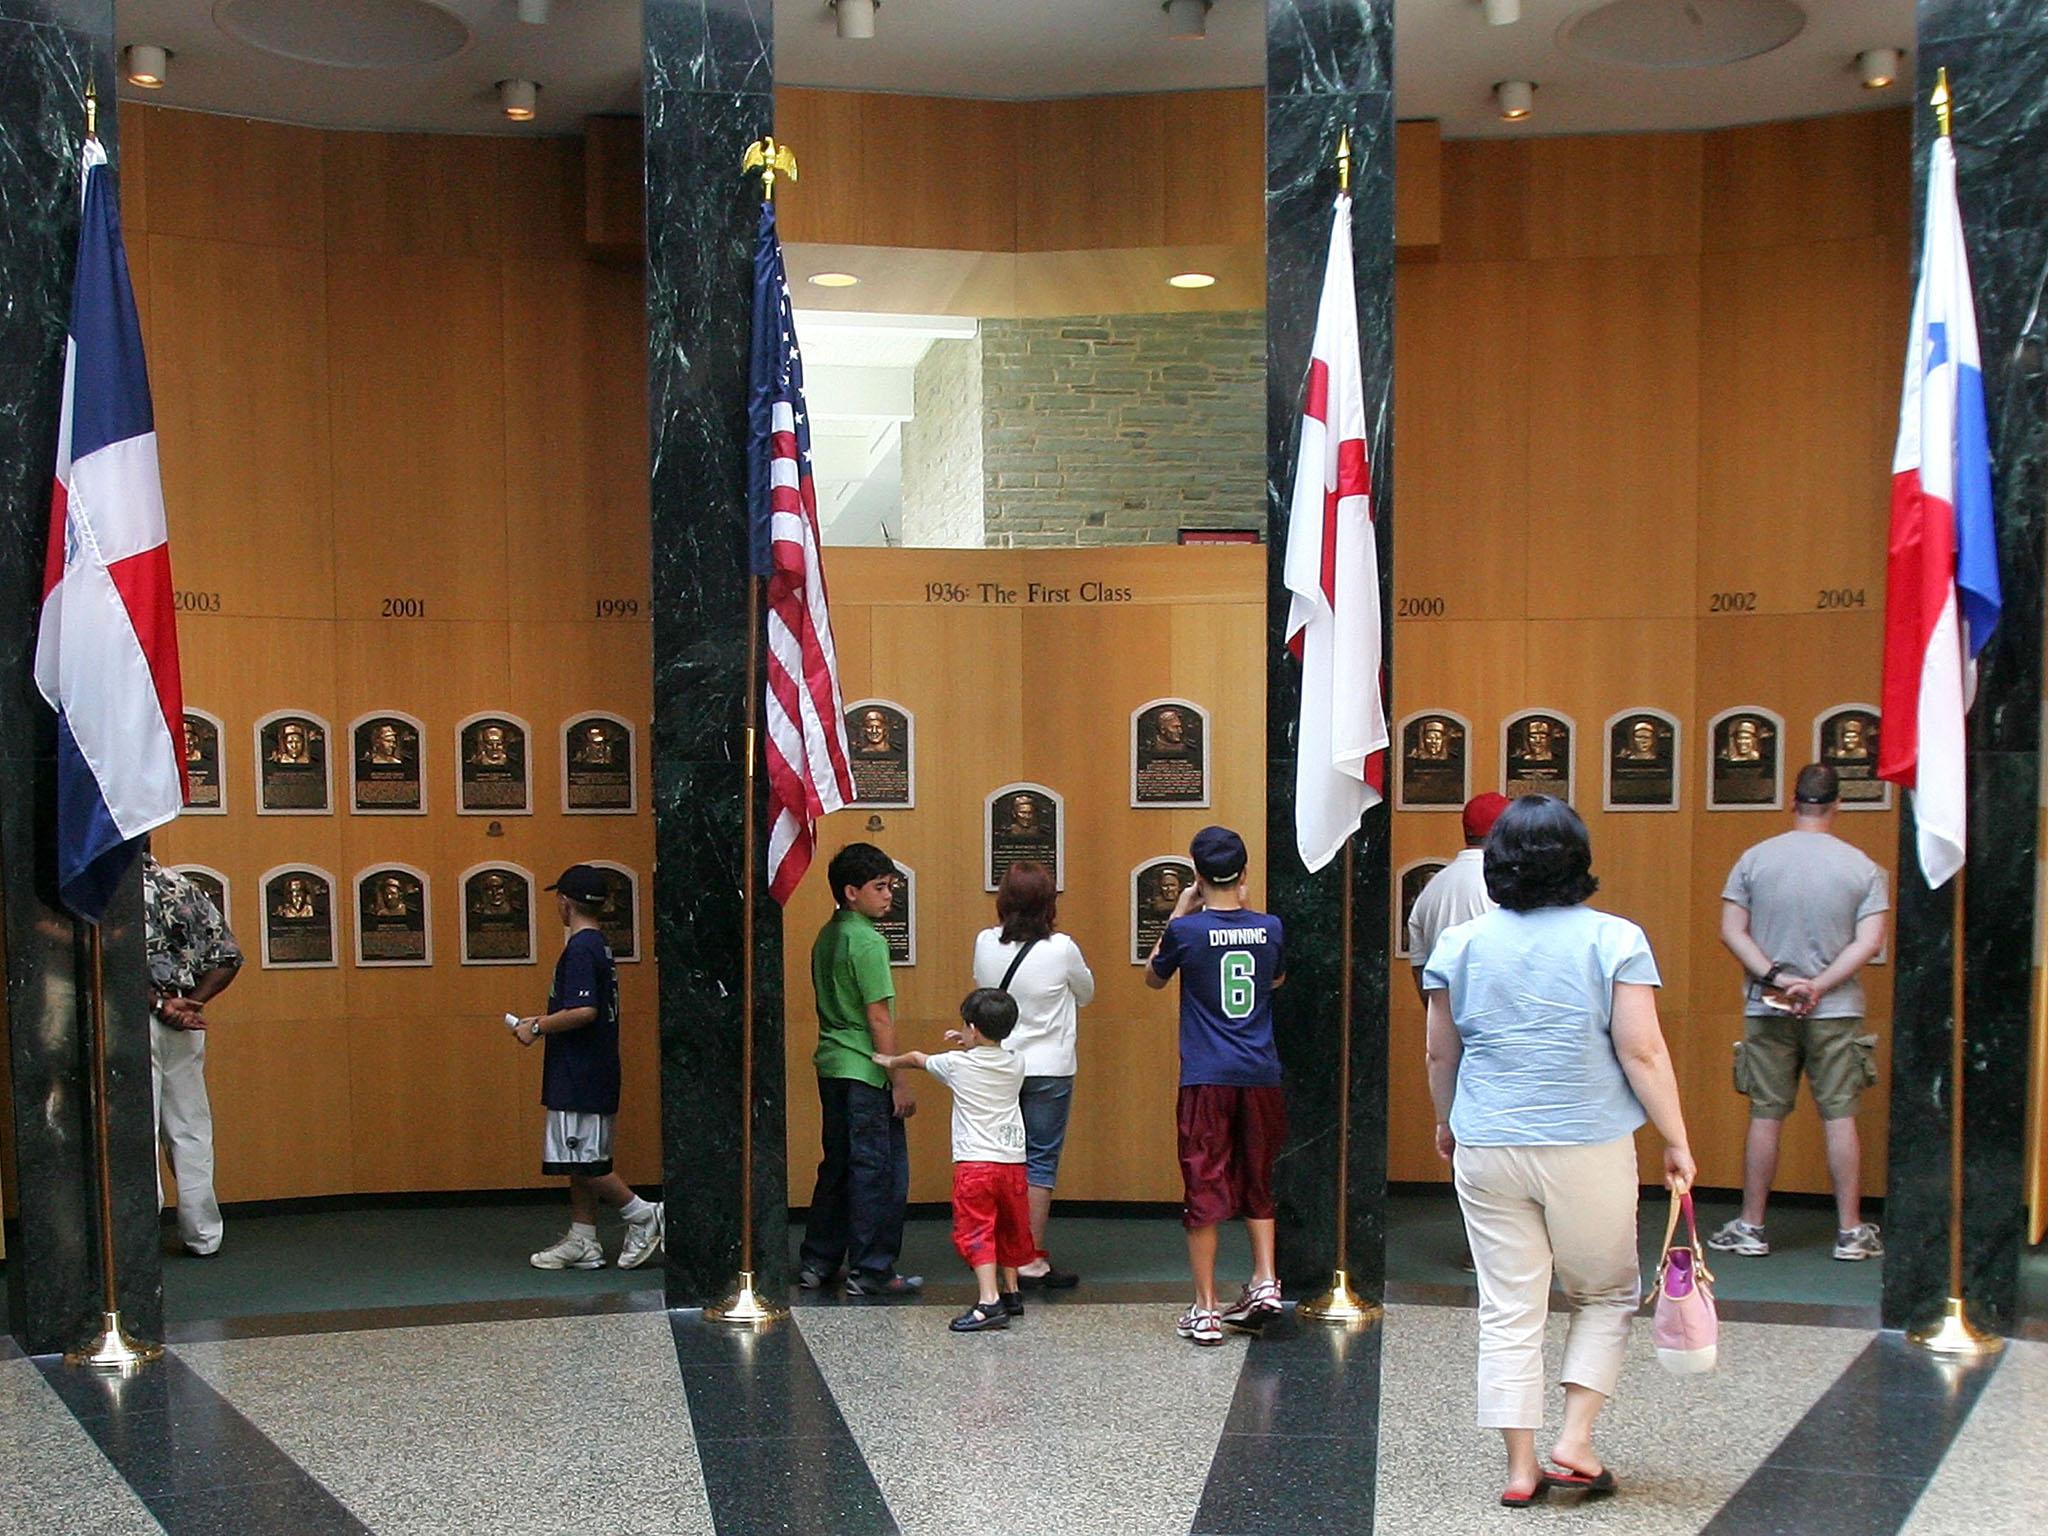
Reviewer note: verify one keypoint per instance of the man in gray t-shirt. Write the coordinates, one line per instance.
(1803, 912)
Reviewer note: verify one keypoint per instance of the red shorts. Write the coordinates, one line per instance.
(1229, 1138)
(992, 1214)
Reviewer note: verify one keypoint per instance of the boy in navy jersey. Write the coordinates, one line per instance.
(1232, 1116)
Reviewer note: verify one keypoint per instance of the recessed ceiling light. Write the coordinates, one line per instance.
(517, 99)
(146, 65)
(855, 18)
(833, 280)
(1515, 98)
(1192, 280)
(1188, 19)
(1502, 13)
(1878, 67)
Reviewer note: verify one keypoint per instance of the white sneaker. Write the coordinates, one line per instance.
(1201, 1327)
(1738, 1236)
(574, 1251)
(1249, 1312)
(1859, 1243)
(644, 1239)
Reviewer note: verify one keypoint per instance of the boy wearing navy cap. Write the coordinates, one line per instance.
(1232, 1114)
(580, 1084)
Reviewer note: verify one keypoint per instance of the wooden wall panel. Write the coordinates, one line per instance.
(233, 178)
(1214, 172)
(1821, 178)
(1620, 194)
(1070, 193)
(412, 194)
(540, 186)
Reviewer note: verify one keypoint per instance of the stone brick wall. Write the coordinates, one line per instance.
(942, 455)
(1122, 429)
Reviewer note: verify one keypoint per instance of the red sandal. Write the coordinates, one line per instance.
(1534, 1496)
(1595, 1486)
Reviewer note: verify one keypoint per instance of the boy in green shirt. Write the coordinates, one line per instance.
(856, 1216)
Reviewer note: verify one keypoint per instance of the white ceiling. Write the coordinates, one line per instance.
(587, 61)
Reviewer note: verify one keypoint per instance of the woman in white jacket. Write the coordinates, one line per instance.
(1043, 970)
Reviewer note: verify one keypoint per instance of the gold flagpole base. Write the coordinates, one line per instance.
(113, 1350)
(1955, 1334)
(1339, 1304)
(746, 1307)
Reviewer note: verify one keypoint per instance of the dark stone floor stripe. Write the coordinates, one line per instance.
(1299, 1453)
(196, 1463)
(277, 1325)
(776, 1451)
(1862, 1456)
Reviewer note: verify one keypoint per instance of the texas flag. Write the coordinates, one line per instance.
(1333, 572)
(1941, 583)
(107, 648)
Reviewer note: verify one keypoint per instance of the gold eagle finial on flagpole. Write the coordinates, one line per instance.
(768, 159)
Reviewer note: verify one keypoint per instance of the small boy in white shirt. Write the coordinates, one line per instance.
(991, 1211)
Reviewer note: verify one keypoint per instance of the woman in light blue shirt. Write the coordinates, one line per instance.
(1544, 1056)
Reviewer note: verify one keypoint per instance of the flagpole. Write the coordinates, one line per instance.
(746, 1306)
(1340, 1303)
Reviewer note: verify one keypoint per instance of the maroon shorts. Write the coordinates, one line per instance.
(1229, 1138)
(992, 1214)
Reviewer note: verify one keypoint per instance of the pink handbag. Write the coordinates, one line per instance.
(1685, 1327)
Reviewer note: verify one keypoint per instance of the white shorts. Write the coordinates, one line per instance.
(575, 1142)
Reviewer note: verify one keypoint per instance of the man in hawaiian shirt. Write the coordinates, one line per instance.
(192, 959)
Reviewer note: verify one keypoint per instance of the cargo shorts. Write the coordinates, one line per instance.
(1838, 1058)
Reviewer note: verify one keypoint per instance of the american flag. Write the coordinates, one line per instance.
(807, 753)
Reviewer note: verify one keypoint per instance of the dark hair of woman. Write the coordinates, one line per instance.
(1026, 903)
(1538, 855)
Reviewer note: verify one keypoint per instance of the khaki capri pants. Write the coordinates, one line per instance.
(1530, 1211)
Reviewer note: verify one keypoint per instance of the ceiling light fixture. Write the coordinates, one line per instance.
(1187, 19)
(833, 280)
(1192, 280)
(518, 99)
(1501, 13)
(856, 18)
(534, 12)
(1878, 67)
(1515, 98)
(146, 65)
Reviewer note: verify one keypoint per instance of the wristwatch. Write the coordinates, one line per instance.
(1770, 977)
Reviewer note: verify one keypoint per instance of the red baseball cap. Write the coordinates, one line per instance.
(1481, 812)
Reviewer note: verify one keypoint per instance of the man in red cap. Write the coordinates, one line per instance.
(1457, 892)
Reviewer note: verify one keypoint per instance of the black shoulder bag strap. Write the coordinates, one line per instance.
(1011, 974)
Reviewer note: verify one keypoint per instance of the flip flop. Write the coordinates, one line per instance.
(1533, 1496)
(1592, 1486)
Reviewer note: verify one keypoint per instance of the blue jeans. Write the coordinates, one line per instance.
(1045, 1102)
(863, 1182)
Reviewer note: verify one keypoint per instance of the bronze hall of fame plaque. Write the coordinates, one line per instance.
(387, 768)
(597, 766)
(899, 923)
(1845, 738)
(1642, 761)
(1407, 890)
(1745, 761)
(298, 918)
(497, 915)
(1170, 753)
(394, 917)
(213, 883)
(1536, 754)
(1434, 775)
(1156, 885)
(1023, 821)
(291, 765)
(619, 917)
(493, 770)
(882, 738)
(205, 782)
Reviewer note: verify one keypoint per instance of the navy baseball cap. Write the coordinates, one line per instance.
(1218, 854)
(582, 882)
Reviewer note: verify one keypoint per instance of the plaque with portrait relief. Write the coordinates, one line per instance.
(619, 917)
(205, 779)
(394, 917)
(291, 765)
(1156, 885)
(298, 918)
(387, 767)
(882, 739)
(1170, 754)
(1745, 761)
(493, 770)
(1023, 821)
(1407, 891)
(597, 766)
(1433, 762)
(1642, 761)
(1845, 738)
(1536, 754)
(899, 923)
(497, 915)
(213, 883)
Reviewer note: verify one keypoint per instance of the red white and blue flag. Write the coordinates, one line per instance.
(809, 772)
(1941, 585)
(107, 646)
(1333, 572)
